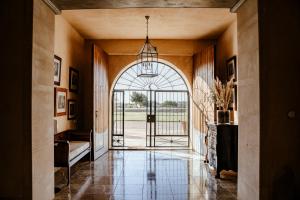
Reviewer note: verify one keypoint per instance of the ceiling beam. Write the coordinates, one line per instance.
(115, 4)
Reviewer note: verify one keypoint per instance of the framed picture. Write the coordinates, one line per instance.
(72, 109)
(73, 80)
(57, 70)
(60, 101)
(231, 68)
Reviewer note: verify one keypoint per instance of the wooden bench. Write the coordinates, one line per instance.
(71, 146)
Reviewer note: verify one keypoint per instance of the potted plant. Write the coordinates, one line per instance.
(223, 97)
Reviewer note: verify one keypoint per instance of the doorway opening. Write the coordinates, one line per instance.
(150, 112)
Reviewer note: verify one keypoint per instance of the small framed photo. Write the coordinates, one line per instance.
(57, 70)
(60, 101)
(72, 109)
(231, 68)
(73, 80)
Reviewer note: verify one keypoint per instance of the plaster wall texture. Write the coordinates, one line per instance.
(69, 45)
(42, 102)
(178, 52)
(166, 47)
(203, 76)
(248, 102)
(227, 47)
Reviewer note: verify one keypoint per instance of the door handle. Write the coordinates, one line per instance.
(96, 113)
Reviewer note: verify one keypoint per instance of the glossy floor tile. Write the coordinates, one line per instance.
(147, 175)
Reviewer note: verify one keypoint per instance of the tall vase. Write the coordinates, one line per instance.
(222, 116)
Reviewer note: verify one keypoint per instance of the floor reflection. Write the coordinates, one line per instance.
(138, 175)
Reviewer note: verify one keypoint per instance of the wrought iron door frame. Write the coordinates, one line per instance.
(188, 117)
(113, 118)
(151, 110)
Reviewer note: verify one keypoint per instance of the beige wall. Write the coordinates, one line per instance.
(226, 48)
(177, 52)
(248, 102)
(69, 45)
(42, 102)
(165, 46)
(203, 76)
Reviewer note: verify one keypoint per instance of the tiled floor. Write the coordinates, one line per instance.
(139, 175)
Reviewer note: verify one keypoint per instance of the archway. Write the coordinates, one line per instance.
(150, 112)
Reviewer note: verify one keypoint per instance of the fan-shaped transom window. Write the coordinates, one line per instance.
(167, 79)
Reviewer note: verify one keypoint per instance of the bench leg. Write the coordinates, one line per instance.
(69, 173)
(90, 156)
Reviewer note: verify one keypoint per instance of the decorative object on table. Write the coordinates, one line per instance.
(57, 70)
(60, 101)
(223, 97)
(232, 72)
(147, 59)
(72, 109)
(73, 80)
(223, 116)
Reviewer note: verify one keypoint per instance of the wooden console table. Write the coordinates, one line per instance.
(223, 147)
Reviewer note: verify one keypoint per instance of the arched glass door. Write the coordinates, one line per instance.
(150, 112)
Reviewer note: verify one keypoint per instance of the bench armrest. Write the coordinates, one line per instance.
(59, 142)
(61, 153)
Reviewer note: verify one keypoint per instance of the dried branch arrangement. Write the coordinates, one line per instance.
(223, 93)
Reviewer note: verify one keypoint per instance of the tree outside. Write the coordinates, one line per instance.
(139, 99)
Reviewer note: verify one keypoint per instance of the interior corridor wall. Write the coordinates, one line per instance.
(248, 102)
(27, 146)
(226, 48)
(178, 52)
(42, 102)
(202, 104)
(69, 45)
(15, 104)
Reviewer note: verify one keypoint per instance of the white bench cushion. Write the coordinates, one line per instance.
(77, 147)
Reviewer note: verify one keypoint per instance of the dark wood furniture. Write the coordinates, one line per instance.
(223, 147)
(71, 146)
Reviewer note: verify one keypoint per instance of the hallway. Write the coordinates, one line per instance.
(137, 175)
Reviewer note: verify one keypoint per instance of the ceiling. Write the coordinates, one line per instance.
(165, 47)
(100, 4)
(164, 23)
